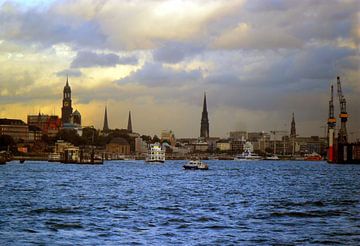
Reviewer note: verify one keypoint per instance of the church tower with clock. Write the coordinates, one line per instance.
(66, 110)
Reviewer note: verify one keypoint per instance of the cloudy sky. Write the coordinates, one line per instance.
(257, 60)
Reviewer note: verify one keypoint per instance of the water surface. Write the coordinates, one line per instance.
(133, 203)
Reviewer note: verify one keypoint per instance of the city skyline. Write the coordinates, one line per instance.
(256, 63)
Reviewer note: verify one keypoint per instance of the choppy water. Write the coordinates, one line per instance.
(133, 203)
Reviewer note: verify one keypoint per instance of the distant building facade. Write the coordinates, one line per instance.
(223, 145)
(35, 134)
(140, 146)
(15, 128)
(238, 135)
(118, 146)
(169, 136)
(49, 124)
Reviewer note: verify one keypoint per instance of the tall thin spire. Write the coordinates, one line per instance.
(106, 124)
(204, 129)
(129, 126)
(293, 127)
(205, 104)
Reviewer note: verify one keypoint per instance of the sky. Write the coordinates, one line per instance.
(258, 62)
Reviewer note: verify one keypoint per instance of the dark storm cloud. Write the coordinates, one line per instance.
(155, 74)
(69, 72)
(91, 59)
(174, 52)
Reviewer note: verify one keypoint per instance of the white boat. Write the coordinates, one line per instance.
(155, 153)
(272, 158)
(248, 156)
(196, 165)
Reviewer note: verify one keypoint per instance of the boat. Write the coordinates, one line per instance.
(196, 165)
(247, 156)
(156, 154)
(313, 157)
(272, 158)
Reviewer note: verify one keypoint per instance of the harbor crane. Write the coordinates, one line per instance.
(342, 136)
(331, 125)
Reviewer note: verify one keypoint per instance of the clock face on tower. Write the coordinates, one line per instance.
(66, 104)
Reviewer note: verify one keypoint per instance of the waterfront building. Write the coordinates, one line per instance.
(118, 146)
(237, 145)
(204, 129)
(129, 126)
(308, 145)
(238, 135)
(35, 134)
(140, 146)
(106, 123)
(223, 145)
(168, 136)
(49, 124)
(201, 147)
(15, 128)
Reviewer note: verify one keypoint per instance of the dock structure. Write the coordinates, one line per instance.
(339, 149)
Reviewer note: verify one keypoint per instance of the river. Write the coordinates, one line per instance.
(133, 203)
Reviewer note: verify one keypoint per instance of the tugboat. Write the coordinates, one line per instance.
(196, 165)
(155, 154)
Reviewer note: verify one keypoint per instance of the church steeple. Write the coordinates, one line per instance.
(204, 129)
(129, 126)
(293, 127)
(66, 109)
(106, 124)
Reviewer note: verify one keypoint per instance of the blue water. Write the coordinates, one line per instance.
(133, 203)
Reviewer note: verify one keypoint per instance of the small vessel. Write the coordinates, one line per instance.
(272, 158)
(155, 153)
(196, 165)
(313, 157)
(248, 155)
